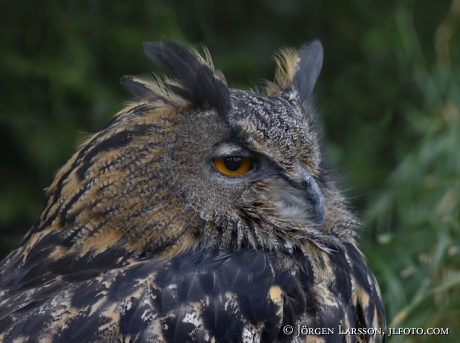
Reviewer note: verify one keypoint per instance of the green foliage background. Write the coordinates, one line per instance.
(389, 98)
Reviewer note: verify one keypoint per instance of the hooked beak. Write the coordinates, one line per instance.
(300, 199)
(314, 197)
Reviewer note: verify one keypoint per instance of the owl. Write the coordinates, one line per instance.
(199, 213)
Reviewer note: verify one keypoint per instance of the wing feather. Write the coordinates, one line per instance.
(200, 297)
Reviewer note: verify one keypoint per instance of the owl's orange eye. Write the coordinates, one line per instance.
(233, 165)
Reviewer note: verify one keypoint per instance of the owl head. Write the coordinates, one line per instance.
(194, 164)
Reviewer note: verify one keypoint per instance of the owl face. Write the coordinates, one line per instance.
(252, 163)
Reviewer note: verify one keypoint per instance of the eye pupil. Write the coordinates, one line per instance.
(233, 163)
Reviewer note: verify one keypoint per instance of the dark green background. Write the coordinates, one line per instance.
(389, 98)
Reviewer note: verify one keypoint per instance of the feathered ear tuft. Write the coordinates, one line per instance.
(308, 68)
(298, 70)
(198, 82)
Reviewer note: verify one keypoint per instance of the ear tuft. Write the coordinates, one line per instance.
(201, 84)
(286, 62)
(308, 69)
(297, 70)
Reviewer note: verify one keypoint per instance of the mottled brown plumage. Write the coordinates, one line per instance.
(144, 238)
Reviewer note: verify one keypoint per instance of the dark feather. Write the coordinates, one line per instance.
(203, 87)
(308, 69)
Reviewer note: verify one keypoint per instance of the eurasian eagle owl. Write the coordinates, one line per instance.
(199, 213)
